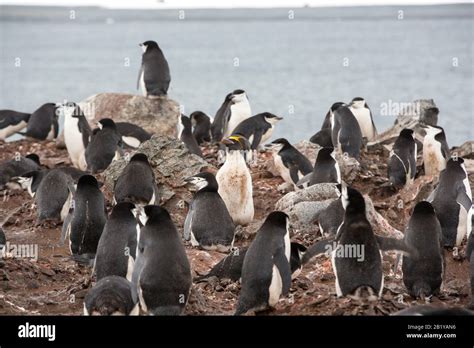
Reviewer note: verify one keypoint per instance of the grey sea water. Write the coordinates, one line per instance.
(294, 64)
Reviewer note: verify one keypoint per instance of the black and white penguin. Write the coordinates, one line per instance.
(326, 169)
(43, 123)
(185, 134)
(435, 150)
(86, 219)
(111, 295)
(154, 77)
(230, 267)
(136, 183)
(345, 132)
(452, 201)
(257, 129)
(239, 111)
(210, 231)
(16, 167)
(290, 164)
(423, 275)
(331, 218)
(221, 118)
(266, 273)
(362, 113)
(162, 274)
(105, 146)
(11, 122)
(402, 160)
(323, 137)
(117, 246)
(77, 133)
(132, 135)
(52, 196)
(201, 127)
(235, 181)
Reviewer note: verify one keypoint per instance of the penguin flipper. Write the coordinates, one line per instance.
(188, 223)
(283, 265)
(257, 138)
(386, 243)
(318, 248)
(137, 269)
(139, 76)
(294, 172)
(463, 199)
(66, 226)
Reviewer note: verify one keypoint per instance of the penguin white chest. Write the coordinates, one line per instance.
(365, 122)
(73, 140)
(235, 188)
(239, 112)
(276, 286)
(433, 159)
(281, 169)
(12, 129)
(142, 82)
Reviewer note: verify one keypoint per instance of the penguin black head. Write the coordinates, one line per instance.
(271, 118)
(204, 181)
(279, 144)
(358, 102)
(34, 157)
(238, 96)
(456, 166)
(406, 133)
(139, 157)
(352, 201)
(325, 153)
(198, 116)
(107, 123)
(87, 180)
(424, 207)
(336, 106)
(122, 209)
(186, 122)
(155, 213)
(278, 219)
(149, 45)
(236, 142)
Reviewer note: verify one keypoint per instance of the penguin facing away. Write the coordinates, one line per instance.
(291, 164)
(86, 219)
(105, 146)
(235, 181)
(326, 169)
(111, 295)
(257, 129)
(362, 113)
(345, 132)
(435, 150)
(201, 127)
(423, 275)
(266, 273)
(77, 133)
(11, 122)
(43, 123)
(117, 246)
(208, 223)
(154, 77)
(185, 134)
(219, 124)
(402, 159)
(239, 111)
(161, 275)
(136, 183)
(452, 201)
(324, 136)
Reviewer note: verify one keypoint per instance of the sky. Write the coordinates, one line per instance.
(222, 3)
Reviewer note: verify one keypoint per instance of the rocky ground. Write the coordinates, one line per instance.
(54, 284)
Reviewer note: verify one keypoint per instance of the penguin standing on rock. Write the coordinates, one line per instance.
(239, 111)
(117, 246)
(132, 135)
(345, 132)
(11, 122)
(235, 181)
(257, 129)
(104, 147)
(452, 201)
(43, 123)
(402, 160)
(154, 77)
(185, 134)
(201, 127)
(326, 169)
(423, 275)
(290, 164)
(162, 274)
(136, 183)
(77, 133)
(86, 219)
(435, 150)
(362, 113)
(210, 231)
(266, 273)
(111, 296)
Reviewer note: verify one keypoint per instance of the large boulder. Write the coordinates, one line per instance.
(171, 162)
(156, 115)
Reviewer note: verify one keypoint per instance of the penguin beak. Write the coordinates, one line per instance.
(189, 179)
(227, 141)
(279, 118)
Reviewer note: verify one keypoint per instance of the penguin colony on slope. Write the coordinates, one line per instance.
(137, 254)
